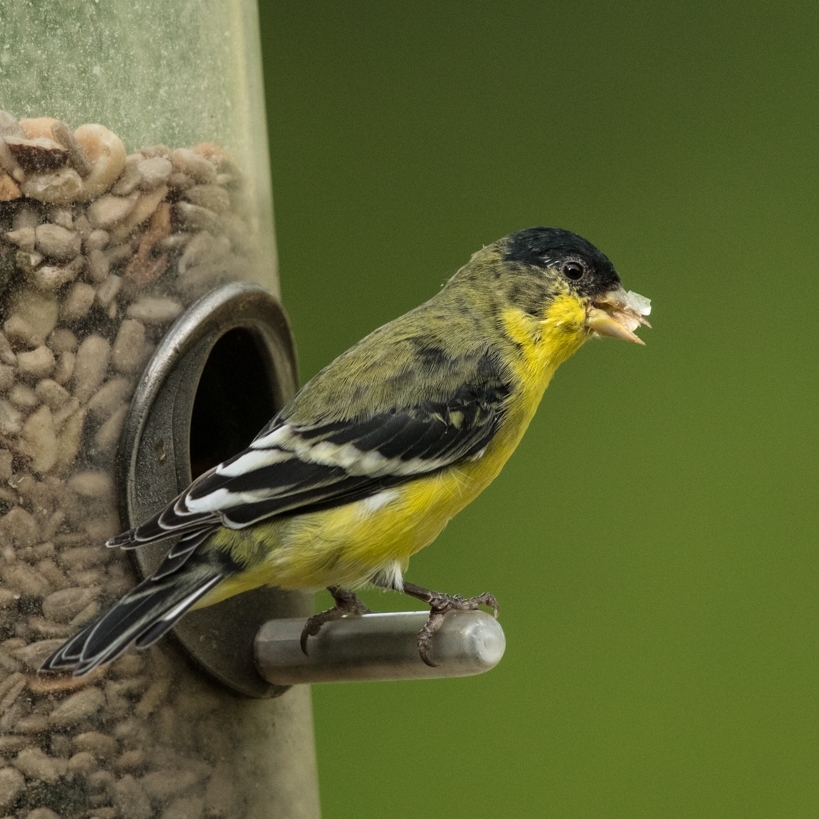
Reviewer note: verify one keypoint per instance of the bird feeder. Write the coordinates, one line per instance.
(142, 342)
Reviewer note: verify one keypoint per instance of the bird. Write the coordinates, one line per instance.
(373, 456)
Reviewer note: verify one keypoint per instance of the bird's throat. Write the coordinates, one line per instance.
(544, 344)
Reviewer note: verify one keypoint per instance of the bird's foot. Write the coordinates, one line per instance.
(440, 604)
(346, 603)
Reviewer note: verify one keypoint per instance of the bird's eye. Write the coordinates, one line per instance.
(573, 271)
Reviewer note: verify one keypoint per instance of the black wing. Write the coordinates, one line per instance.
(299, 467)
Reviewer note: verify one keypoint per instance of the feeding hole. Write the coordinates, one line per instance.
(234, 400)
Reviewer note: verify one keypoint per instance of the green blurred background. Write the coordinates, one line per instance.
(653, 542)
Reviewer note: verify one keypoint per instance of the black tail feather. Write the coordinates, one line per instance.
(142, 617)
(172, 617)
(181, 552)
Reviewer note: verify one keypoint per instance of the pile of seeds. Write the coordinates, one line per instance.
(99, 252)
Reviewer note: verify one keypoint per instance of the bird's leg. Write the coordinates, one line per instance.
(346, 603)
(439, 604)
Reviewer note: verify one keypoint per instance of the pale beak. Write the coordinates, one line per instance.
(618, 314)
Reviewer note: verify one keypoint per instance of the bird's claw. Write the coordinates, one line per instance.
(346, 603)
(440, 604)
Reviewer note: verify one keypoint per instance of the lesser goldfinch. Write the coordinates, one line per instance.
(374, 455)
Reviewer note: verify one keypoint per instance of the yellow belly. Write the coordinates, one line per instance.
(348, 545)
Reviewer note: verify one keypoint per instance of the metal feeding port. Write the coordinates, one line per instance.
(379, 647)
(218, 375)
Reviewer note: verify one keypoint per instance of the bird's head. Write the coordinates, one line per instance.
(558, 279)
